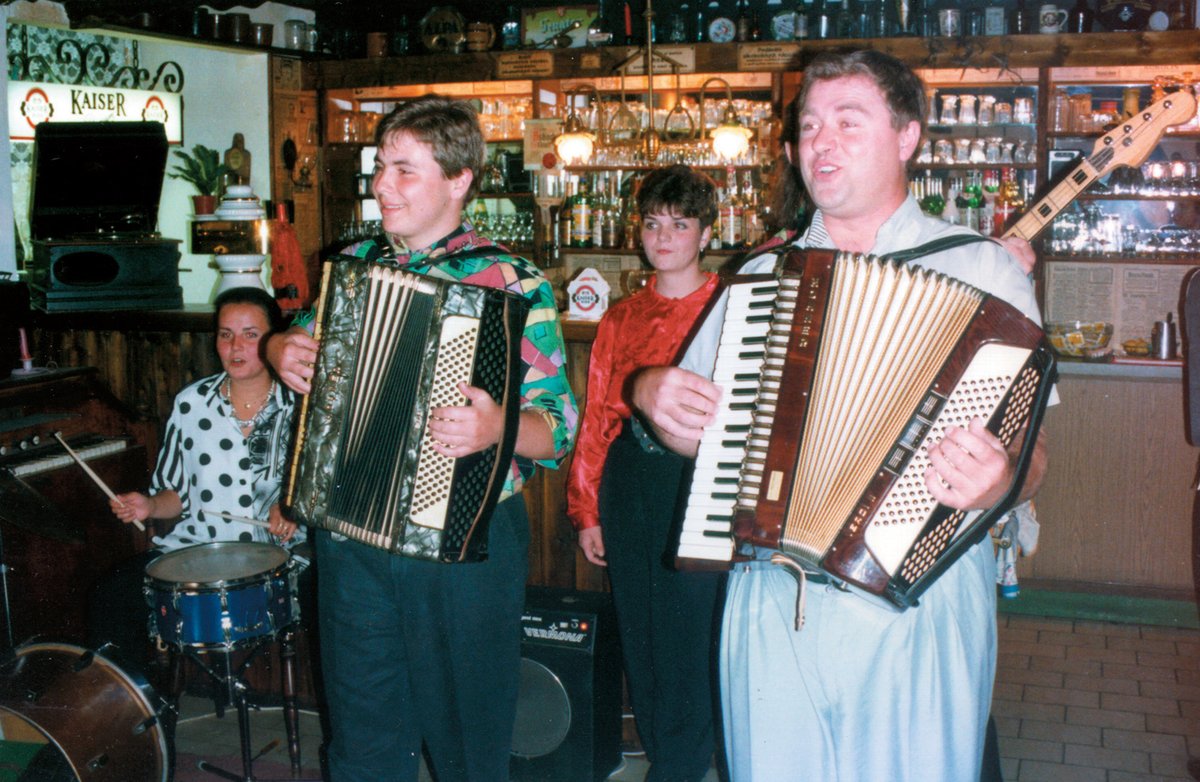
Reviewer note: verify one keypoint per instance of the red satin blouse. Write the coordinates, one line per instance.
(644, 330)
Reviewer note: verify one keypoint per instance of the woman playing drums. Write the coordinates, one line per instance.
(223, 454)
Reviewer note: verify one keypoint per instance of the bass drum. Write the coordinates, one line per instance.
(71, 714)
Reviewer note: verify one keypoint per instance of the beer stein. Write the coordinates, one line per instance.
(966, 109)
(1023, 111)
(987, 104)
(1051, 18)
(480, 36)
(949, 109)
(962, 150)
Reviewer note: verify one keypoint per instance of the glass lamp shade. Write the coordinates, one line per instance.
(730, 140)
(575, 147)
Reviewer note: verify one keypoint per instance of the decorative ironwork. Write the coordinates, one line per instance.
(90, 65)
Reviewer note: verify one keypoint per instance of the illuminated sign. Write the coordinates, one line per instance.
(30, 103)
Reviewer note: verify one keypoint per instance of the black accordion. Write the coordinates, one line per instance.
(393, 346)
(837, 376)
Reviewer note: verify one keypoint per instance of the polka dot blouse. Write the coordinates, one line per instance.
(214, 468)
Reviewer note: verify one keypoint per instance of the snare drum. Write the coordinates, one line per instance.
(99, 722)
(220, 595)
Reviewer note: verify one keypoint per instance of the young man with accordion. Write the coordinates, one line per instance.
(420, 608)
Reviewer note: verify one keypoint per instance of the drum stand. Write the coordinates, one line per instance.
(237, 690)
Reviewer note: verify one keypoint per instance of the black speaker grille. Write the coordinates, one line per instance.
(543, 711)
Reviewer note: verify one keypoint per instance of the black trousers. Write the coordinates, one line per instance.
(419, 652)
(668, 619)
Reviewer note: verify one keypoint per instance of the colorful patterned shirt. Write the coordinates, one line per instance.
(543, 354)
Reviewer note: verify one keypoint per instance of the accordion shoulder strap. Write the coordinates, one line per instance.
(380, 249)
(936, 246)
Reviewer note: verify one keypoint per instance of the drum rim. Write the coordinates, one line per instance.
(140, 686)
(219, 584)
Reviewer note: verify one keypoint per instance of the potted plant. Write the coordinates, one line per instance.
(202, 167)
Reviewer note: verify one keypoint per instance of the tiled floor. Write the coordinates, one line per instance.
(1080, 701)
(1076, 701)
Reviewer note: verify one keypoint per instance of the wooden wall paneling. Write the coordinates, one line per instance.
(1115, 508)
(295, 115)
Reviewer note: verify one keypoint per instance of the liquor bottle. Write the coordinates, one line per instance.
(677, 31)
(821, 24)
(1009, 202)
(581, 215)
(1022, 20)
(714, 242)
(839, 13)
(1080, 19)
(987, 211)
(752, 224)
(756, 33)
(566, 226)
(510, 31)
(953, 190)
(742, 22)
(700, 24)
(401, 40)
(600, 208)
(730, 210)
(802, 13)
(599, 32)
(970, 200)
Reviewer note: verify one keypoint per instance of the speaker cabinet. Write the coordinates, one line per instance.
(568, 724)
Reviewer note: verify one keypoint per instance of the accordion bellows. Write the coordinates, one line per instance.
(393, 346)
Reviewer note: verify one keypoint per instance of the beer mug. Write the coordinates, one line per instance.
(1051, 18)
(480, 36)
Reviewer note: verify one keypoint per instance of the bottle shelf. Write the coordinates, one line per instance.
(1090, 196)
(974, 166)
(1180, 259)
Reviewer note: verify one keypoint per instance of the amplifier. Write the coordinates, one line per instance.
(568, 724)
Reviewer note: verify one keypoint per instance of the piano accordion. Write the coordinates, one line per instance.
(393, 346)
(837, 376)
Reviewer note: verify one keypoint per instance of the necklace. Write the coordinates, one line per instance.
(252, 421)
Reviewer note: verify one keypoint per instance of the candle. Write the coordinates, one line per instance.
(26, 356)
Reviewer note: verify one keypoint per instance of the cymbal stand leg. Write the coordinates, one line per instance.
(291, 711)
(8, 631)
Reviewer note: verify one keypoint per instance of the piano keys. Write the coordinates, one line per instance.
(706, 539)
(46, 457)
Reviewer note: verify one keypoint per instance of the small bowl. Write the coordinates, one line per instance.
(1079, 339)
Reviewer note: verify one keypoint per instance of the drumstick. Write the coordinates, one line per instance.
(243, 519)
(92, 474)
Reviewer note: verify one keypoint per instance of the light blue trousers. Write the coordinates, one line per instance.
(862, 692)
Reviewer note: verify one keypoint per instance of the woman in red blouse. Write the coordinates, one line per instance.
(622, 498)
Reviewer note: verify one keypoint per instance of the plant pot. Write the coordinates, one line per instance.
(204, 204)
